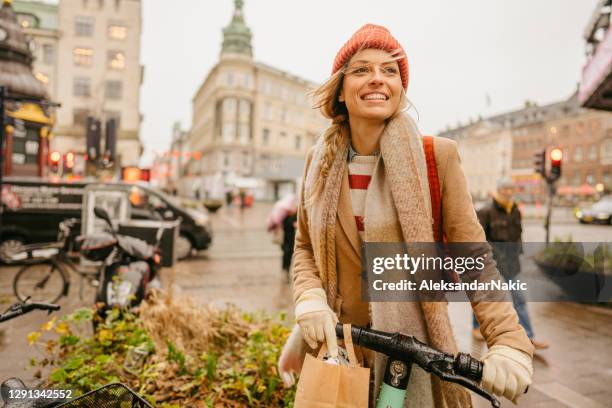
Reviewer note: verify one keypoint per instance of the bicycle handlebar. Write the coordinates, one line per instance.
(22, 308)
(462, 369)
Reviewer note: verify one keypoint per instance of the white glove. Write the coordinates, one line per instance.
(506, 372)
(291, 357)
(317, 321)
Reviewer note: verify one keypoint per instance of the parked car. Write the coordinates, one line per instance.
(34, 207)
(600, 212)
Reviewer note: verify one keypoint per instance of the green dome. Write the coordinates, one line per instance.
(237, 36)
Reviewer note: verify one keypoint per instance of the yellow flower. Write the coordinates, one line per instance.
(33, 337)
(62, 329)
(49, 325)
(105, 334)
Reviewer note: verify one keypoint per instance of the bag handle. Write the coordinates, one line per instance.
(348, 344)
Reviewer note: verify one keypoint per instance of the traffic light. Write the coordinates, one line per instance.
(68, 162)
(111, 139)
(93, 138)
(556, 157)
(54, 162)
(539, 162)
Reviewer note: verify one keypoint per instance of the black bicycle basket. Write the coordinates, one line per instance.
(114, 395)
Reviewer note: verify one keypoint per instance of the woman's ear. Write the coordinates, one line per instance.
(341, 96)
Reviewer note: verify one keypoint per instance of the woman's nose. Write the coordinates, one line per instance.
(376, 76)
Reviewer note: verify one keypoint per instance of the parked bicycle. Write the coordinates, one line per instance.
(45, 277)
(404, 351)
(15, 394)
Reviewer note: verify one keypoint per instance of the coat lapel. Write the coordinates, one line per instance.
(345, 214)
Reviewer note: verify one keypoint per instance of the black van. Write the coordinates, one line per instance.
(34, 207)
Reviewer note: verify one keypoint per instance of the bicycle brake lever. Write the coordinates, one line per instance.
(470, 384)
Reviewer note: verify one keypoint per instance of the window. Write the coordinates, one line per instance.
(298, 142)
(229, 105)
(266, 136)
(247, 81)
(83, 56)
(113, 89)
(605, 152)
(83, 26)
(81, 86)
(225, 159)
(117, 32)
(590, 179)
(284, 114)
(578, 154)
(593, 152)
(268, 111)
(245, 107)
(116, 60)
(229, 132)
(577, 180)
(48, 52)
(245, 133)
(229, 79)
(79, 117)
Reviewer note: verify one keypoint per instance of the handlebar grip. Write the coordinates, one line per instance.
(469, 367)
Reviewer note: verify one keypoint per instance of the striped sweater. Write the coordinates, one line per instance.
(360, 170)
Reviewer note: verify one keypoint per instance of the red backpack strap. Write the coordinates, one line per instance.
(434, 187)
(436, 201)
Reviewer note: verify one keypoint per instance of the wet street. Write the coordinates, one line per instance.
(243, 267)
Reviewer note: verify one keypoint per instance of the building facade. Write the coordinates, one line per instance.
(252, 124)
(485, 148)
(28, 113)
(585, 135)
(95, 45)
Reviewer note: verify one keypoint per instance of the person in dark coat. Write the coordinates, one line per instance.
(289, 225)
(502, 223)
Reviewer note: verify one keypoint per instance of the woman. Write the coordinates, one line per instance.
(366, 180)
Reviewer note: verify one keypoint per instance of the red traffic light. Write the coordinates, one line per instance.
(55, 157)
(556, 155)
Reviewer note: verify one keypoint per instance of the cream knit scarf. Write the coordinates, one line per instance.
(406, 188)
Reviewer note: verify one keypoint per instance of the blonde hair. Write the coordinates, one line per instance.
(326, 100)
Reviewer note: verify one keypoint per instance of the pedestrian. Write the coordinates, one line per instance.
(289, 225)
(365, 180)
(502, 223)
(282, 222)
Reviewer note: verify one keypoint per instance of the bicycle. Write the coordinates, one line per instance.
(15, 394)
(404, 351)
(45, 276)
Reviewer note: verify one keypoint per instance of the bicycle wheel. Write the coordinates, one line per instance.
(42, 282)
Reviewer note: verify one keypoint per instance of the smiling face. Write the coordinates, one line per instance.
(372, 86)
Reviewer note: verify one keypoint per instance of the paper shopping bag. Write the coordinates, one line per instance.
(324, 385)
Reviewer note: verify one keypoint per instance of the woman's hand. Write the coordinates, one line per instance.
(317, 321)
(506, 372)
(291, 357)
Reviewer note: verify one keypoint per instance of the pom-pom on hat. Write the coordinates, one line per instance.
(372, 36)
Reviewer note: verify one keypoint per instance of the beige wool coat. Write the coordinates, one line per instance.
(499, 322)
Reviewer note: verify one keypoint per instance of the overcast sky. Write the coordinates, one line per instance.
(458, 51)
